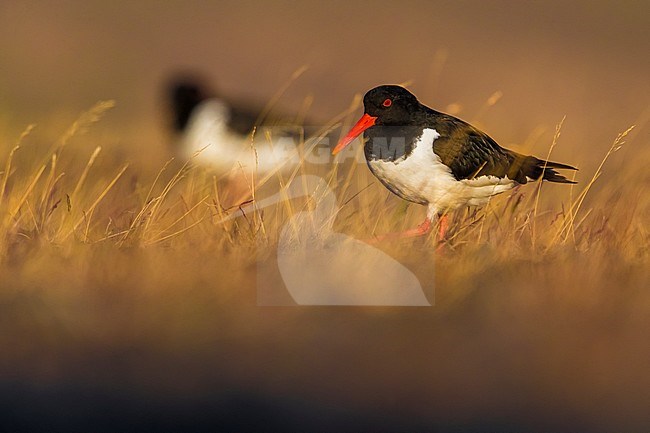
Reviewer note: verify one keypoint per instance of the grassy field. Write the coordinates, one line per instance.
(124, 297)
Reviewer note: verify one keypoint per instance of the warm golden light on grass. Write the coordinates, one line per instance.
(67, 207)
(155, 257)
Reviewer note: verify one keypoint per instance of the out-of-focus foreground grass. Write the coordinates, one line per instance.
(121, 281)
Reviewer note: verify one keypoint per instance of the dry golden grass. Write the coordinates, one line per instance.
(50, 201)
(542, 301)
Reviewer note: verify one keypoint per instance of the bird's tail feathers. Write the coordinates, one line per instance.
(536, 168)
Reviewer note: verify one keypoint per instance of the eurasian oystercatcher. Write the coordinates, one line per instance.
(219, 133)
(434, 159)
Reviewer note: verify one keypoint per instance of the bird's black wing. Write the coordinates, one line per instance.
(244, 118)
(470, 153)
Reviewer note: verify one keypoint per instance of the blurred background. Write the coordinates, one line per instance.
(553, 343)
(587, 60)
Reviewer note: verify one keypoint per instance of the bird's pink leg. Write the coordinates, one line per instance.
(420, 230)
(442, 228)
(425, 228)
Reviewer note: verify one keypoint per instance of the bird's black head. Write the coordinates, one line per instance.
(391, 105)
(383, 105)
(184, 95)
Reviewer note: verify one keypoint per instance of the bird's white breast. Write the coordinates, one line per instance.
(421, 177)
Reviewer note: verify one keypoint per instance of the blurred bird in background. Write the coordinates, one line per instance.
(235, 140)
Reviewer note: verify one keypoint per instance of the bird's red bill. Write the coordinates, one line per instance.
(364, 123)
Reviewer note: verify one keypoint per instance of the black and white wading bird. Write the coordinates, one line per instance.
(435, 159)
(228, 136)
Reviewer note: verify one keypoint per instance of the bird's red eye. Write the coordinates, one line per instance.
(387, 103)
